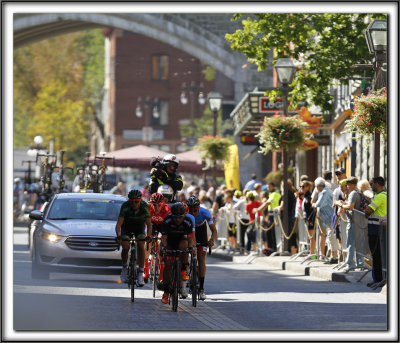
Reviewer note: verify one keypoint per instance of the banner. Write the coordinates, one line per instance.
(231, 167)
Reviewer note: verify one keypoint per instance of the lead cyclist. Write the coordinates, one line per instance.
(202, 216)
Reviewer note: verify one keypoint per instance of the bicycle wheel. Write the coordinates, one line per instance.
(155, 273)
(132, 279)
(193, 282)
(176, 284)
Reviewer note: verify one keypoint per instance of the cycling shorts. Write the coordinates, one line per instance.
(173, 244)
(201, 233)
(133, 231)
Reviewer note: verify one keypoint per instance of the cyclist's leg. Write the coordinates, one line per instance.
(125, 244)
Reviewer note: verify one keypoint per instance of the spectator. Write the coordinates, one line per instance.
(219, 201)
(190, 189)
(308, 213)
(304, 178)
(182, 197)
(377, 226)
(244, 217)
(257, 191)
(250, 184)
(327, 175)
(237, 195)
(272, 202)
(338, 224)
(353, 202)
(119, 189)
(211, 194)
(251, 230)
(17, 192)
(230, 218)
(78, 181)
(205, 200)
(340, 174)
(292, 242)
(146, 191)
(324, 204)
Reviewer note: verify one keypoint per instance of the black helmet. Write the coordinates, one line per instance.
(135, 194)
(178, 210)
(192, 201)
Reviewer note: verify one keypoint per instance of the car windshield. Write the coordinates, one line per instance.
(98, 209)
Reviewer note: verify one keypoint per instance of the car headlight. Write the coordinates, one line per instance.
(50, 236)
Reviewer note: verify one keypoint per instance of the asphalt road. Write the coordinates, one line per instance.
(242, 299)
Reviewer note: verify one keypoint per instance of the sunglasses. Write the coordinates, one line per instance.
(135, 201)
(303, 186)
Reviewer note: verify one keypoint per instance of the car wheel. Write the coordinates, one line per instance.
(39, 272)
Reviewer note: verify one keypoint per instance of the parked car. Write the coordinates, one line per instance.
(76, 233)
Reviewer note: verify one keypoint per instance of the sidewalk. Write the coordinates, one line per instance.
(308, 268)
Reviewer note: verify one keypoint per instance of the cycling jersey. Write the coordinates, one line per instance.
(201, 226)
(134, 221)
(158, 218)
(203, 215)
(175, 232)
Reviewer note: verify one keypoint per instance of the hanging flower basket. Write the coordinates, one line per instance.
(370, 114)
(213, 149)
(280, 132)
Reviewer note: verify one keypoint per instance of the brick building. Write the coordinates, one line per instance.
(144, 82)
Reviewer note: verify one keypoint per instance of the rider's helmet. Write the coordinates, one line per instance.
(171, 159)
(166, 191)
(156, 198)
(192, 201)
(135, 194)
(178, 210)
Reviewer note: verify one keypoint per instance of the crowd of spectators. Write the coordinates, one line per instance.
(349, 214)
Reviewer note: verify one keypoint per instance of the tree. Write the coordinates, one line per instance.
(57, 88)
(327, 45)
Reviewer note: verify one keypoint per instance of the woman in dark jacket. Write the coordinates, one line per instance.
(308, 212)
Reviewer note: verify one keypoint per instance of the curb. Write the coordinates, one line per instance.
(311, 268)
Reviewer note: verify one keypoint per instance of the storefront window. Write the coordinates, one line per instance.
(160, 67)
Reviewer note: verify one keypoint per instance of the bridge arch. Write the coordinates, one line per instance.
(173, 29)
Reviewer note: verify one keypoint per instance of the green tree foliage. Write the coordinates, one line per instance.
(326, 45)
(57, 89)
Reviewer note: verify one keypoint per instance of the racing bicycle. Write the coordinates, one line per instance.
(133, 266)
(155, 264)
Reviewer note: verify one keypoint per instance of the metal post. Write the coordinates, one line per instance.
(285, 90)
(215, 113)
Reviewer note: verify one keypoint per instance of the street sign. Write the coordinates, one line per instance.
(147, 134)
(322, 139)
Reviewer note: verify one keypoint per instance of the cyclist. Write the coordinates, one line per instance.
(158, 211)
(164, 172)
(133, 217)
(177, 233)
(201, 215)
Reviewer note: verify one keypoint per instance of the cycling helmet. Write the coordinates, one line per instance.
(178, 209)
(170, 158)
(135, 194)
(192, 201)
(156, 198)
(165, 190)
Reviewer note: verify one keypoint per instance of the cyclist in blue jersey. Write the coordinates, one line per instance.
(203, 219)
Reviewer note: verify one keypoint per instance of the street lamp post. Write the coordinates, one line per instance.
(193, 89)
(35, 149)
(285, 70)
(151, 108)
(376, 37)
(214, 103)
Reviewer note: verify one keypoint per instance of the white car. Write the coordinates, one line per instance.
(76, 233)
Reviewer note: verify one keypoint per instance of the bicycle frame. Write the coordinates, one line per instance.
(48, 167)
(155, 264)
(133, 266)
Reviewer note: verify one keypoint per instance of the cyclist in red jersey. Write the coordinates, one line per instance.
(158, 211)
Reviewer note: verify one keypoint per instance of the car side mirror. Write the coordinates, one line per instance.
(38, 215)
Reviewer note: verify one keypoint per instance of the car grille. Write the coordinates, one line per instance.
(91, 243)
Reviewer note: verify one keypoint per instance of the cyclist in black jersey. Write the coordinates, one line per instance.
(177, 233)
(133, 217)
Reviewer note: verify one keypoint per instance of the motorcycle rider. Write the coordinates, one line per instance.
(164, 173)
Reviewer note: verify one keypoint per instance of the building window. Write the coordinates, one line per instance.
(159, 67)
(162, 110)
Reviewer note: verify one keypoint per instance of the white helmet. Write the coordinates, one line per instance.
(171, 158)
(165, 190)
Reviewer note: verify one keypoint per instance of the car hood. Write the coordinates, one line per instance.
(81, 227)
